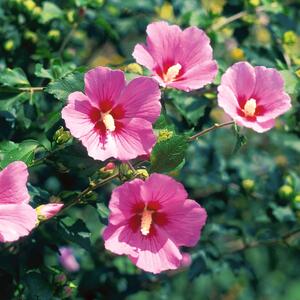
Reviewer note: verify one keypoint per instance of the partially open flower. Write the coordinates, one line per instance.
(47, 211)
(68, 260)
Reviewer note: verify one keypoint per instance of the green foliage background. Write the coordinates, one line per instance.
(250, 246)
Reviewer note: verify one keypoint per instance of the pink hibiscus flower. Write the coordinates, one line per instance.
(112, 119)
(176, 58)
(149, 220)
(48, 211)
(17, 217)
(253, 96)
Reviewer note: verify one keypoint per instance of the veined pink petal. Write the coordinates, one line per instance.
(77, 114)
(16, 220)
(141, 107)
(103, 85)
(136, 136)
(143, 57)
(123, 210)
(163, 188)
(240, 78)
(13, 180)
(189, 218)
(158, 254)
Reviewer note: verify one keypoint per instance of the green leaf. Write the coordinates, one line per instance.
(13, 78)
(191, 108)
(37, 286)
(168, 153)
(240, 139)
(77, 233)
(65, 86)
(50, 12)
(10, 151)
(41, 72)
(291, 84)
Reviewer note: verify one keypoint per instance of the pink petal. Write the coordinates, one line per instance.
(195, 48)
(123, 199)
(196, 77)
(228, 101)
(157, 254)
(135, 138)
(256, 126)
(16, 220)
(103, 84)
(163, 41)
(240, 78)
(98, 147)
(185, 223)
(140, 99)
(13, 181)
(77, 114)
(163, 188)
(276, 107)
(121, 240)
(269, 83)
(143, 57)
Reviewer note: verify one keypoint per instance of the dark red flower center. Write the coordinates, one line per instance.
(145, 216)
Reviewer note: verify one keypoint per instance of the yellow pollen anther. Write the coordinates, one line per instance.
(108, 121)
(146, 221)
(250, 108)
(172, 73)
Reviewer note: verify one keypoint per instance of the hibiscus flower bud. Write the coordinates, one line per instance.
(142, 174)
(248, 185)
(61, 136)
(107, 170)
(60, 279)
(285, 191)
(47, 211)
(68, 260)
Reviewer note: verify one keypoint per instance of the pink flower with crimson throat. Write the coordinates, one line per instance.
(253, 96)
(17, 217)
(149, 220)
(179, 59)
(113, 119)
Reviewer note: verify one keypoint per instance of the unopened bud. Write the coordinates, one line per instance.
(107, 170)
(62, 136)
(9, 45)
(248, 184)
(60, 279)
(285, 192)
(54, 34)
(134, 68)
(47, 211)
(142, 174)
(289, 38)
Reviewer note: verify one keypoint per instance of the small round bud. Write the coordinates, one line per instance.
(9, 45)
(254, 2)
(289, 37)
(107, 170)
(60, 279)
(30, 36)
(54, 34)
(285, 192)
(37, 11)
(142, 174)
(248, 185)
(237, 54)
(62, 136)
(134, 68)
(71, 16)
(67, 292)
(29, 5)
(164, 135)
